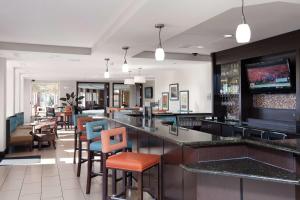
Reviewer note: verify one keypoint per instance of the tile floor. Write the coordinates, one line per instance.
(54, 179)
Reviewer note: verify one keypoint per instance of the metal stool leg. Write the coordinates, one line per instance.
(105, 181)
(89, 172)
(79, 159)
(140, 186)
(75, 147)
(114, 182)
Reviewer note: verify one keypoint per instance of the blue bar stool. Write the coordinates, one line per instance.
(94, 146)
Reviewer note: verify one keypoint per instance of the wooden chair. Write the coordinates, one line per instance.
(93, 130)
(47, 134)
(126, 162)
(76, 134)
(82, 139)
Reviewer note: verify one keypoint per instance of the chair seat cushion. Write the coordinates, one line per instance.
(83, 137)
(130, 161)
(21, 135)
(96, 146)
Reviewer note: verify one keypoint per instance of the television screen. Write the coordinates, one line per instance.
(269, 76)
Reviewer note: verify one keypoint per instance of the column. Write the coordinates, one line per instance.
(27, 106)
(10, 92)
(17, 85)
(2, 105)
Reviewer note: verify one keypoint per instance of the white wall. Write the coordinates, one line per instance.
(21, 107)
(10, 94)
(132, 93)
(2, 104)
(196, 79)
(17, 85)
(149, 83)
(27, 98)
(66, 87)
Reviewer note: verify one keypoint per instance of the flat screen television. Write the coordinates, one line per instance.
(270, 77)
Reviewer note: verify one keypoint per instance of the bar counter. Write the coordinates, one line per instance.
(195, 164)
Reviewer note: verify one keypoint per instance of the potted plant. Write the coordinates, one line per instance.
(73, 101)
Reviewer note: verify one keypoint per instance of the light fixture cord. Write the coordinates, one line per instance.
(125, 55)
(244, 18)
(159, 37)
(107, 65)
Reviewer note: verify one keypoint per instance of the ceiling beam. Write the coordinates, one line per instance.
(44, 48)
(176, 56)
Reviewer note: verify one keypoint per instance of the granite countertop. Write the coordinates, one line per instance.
(198, 139)
(179, 113)
(181, 136)
(244, 168)
(226, 122)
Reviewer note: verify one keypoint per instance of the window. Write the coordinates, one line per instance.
(44, 95)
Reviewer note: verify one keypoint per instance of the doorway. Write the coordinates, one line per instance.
(96, 95)
(127, 96)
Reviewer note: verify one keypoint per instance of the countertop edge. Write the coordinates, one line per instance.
(237, 175)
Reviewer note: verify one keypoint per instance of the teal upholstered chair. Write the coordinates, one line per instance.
(93, 134)
(76, 134)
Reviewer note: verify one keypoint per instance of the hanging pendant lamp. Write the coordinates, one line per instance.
(125, 67)
(139, 78)
(129, 81)
(243, 31)
(106, 73)
(159, 52)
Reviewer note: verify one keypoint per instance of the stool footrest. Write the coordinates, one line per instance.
(118, 196)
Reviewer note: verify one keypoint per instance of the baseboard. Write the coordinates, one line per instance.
(2, 155)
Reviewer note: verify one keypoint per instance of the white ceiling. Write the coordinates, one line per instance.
(107, 25)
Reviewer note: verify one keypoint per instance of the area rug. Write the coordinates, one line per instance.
(21, 160)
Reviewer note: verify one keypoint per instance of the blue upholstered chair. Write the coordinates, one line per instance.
(93, 133)
(76, 134)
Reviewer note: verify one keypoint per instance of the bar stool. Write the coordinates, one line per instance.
(82, 138)
(93, 130)
(67, 120)
(125, 161)
(76, 134)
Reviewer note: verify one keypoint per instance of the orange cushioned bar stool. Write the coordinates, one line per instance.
(125, 161)
(82, 139)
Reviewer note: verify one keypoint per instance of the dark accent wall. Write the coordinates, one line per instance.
(280, 110)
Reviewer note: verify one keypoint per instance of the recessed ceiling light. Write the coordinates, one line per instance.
(188, 46)
(228, 36)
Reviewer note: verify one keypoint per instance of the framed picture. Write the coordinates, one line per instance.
(165, 101)
(184, 101)
(174, 91)
(173, 129)
(148, 92)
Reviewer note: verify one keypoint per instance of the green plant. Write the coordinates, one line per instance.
(71, 100)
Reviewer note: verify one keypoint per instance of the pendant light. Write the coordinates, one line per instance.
(106, 73)
(129, 81)
(243, 32)
(159, 52)
(139, 78)
(125, 67)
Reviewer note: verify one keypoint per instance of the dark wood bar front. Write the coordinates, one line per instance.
(198, 165)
